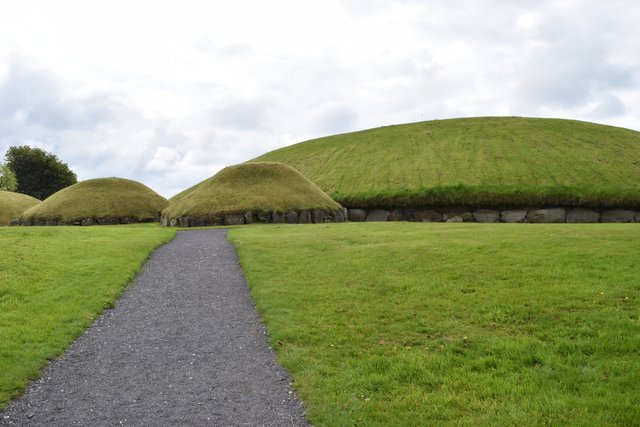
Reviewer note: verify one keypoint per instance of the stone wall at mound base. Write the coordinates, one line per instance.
(315, 216)
(524, 215)
(109, 220)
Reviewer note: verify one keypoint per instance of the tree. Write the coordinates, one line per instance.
(8, 180)
(39, 174)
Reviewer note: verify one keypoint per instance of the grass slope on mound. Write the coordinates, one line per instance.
(100, 198)
(250, 187)
(500, 161)
(55, 283)
(440, 324)
(12, 205)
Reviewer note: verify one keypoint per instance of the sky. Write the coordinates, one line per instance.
(169, 92)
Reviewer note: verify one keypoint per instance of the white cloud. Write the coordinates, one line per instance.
(170, 92)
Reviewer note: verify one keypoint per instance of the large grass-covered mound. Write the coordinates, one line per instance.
(491, 161)
(265, 192)
(12, 205)
(98, 201)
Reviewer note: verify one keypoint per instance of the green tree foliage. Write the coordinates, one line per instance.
(38, 173)
(8, 180)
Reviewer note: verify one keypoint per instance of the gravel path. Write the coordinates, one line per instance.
(184, 346)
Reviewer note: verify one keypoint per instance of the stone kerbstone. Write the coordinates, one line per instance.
(278, 217)
(234, 219)
(457, 216)
(197, 222)
(397, 215)
(637, 217)
(553, 215)
(486, 215)
(183, 221)
(357, 215)
(377, 215)
(618, 215)
(263, 217)
(292, 217)
(426, 216)
(304, 217)
(108, 221)
(580, 215)
(516, 216)
(248, 217)
(317, 216)
(338, 216)
(87, 221)
(14, 222)
(173, 222)
(164, 221)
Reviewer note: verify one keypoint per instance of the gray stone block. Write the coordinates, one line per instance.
(248, 217)
(317, 216)
(263, 217)
(376, 215)
(234, 219)
(108, 221)
(357, 215)
(618, 215)
(173, 222)
(486, 215)
(548, 216)
(278, 217)
(516, 216)
(580, 215)
(183, 221)
(338, 216)
(304, 217)
(426, 216)
(87, 221)
(292, 217)
(197, 222)
(457, 215)
(397, 215)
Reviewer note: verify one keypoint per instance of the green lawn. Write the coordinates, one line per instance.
(488, 161)
(462, 324)
(54, 281)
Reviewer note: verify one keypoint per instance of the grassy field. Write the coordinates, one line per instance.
(491, 161)
(53, 282)
(100, 198)
(465, 324)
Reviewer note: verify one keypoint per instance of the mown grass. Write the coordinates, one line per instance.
(100, 198)
(501, 161)
(54, 281)
(465, 324)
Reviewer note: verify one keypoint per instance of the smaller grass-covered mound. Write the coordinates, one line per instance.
(102, 201)
(12, 205)
(253, 192)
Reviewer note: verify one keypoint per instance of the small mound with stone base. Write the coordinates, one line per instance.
(12, 205)
(102, 201)
(253, 192)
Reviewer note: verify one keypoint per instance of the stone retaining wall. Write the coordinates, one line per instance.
(315, 216)
(531, 215)
(109, 220)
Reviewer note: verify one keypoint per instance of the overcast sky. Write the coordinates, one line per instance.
(169, 92)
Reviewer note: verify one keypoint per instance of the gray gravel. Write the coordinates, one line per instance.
(184, 346)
